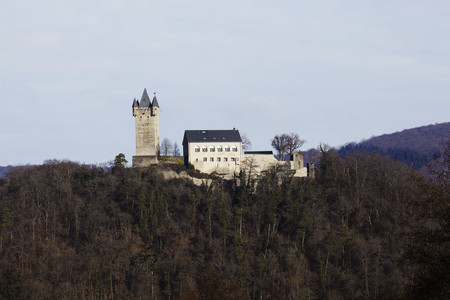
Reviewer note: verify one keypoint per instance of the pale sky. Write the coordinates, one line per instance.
(331, 71)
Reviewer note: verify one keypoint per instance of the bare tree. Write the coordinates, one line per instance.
(287, 144)
(166, 147)
(280, 143)
(294, 142)
(176, 149)
(246, 143)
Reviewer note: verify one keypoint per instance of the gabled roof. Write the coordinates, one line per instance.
(145, 100)
(211, 136)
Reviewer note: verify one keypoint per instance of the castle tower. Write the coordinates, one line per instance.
(146, 114)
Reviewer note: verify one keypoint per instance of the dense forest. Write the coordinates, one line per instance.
(366, 227)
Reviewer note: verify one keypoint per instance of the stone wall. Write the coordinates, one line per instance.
(141, 161)
(147, 131)
(255, 164)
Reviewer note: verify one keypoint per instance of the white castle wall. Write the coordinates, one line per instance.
(208, 161)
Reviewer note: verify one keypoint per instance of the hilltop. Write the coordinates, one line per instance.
(416, 147)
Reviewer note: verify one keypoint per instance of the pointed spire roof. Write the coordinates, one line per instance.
(155, 101)
(135, 103)
(145, 100)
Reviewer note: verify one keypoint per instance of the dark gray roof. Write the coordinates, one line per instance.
(259, 152)
(155, 102)
(145, 100)
(207, 136)
(287, 157)
(135, 103)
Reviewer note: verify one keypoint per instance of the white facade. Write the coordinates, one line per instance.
(215, 157)
(255, 164)
(213, 150)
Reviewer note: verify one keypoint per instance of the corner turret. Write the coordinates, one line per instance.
(155, 101)
(135, 104)
(154, 105)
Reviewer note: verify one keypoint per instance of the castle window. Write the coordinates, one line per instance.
(234, 149)
(211, 159)
(205, 159)
(233, 159)
(227, 148)
(212, 149)
(204, 149)
(225, 159)
(219, 148)
(197, 149)
(218, 159)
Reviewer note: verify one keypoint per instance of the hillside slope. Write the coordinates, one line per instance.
(423, 139)
(416, 147)
(71, 231)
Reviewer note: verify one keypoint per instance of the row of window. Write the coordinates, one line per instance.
(213, 149)
(219, 159)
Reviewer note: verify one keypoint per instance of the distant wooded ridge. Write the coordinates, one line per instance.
(416, 147)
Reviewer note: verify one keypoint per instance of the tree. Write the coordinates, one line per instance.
(176, 149)
(294, 142)
(120, 161)
(287, 143)
(166, 147)
(279, 142)
(246, 143)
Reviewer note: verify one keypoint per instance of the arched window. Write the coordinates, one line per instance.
(204, 149)
(227, 148)
(234, 148)
(219, 148)
(212, 149)
(197, 148)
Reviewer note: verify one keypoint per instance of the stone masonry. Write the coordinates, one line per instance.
(146, 114)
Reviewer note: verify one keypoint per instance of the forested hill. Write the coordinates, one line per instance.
(416, 147)
(365, 228)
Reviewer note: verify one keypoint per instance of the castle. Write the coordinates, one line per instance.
(208, 151)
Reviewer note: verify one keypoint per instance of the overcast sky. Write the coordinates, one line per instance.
(331, 71)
